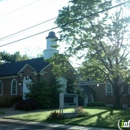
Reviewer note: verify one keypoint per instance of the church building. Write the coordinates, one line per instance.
(16, 77)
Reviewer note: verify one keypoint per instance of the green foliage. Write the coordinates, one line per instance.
(9, 101)
(14, 99)
(54, 116)
(27, 105)
(3, 101)
(81, 112)
(47, 95)
(102, 39)
(1, 112)
(96, 104)
(7, 57)
(81, 100)
(60, 65)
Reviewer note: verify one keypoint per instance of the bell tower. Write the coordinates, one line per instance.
(50, 42)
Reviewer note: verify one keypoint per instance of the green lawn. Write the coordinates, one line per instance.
(98, 117)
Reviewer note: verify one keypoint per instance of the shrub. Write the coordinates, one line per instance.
(54, 116)
(101, 104)
(96, 104)
(47, 95)
(27, 105)
(14, 99)
(9, 101)
(80, 100)
(4, 101)
(81, 112)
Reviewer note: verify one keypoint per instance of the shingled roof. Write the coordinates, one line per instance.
(86, 89)
(13, 68)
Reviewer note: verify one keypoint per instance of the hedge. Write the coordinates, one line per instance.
(96, 104)
(6, 101)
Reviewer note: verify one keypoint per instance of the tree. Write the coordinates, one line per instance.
(60, 65)
(7, 57)
(46, 94)
(98, 32)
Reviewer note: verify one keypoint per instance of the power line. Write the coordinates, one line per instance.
(28, 36)
(65, 24)
(18, 9)
(8, 36)
(98, 12)
(25, 13)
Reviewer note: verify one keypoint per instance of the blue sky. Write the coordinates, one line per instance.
(16, 15)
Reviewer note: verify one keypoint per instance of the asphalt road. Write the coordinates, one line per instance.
(13, 126)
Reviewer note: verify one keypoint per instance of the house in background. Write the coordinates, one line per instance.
(103, 92)
(16, 77)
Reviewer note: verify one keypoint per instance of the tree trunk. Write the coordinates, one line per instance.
(117, 100)
(117, 95)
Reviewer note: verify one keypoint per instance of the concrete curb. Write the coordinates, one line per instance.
(53, 125)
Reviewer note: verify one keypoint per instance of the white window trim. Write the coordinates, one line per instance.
(107, 94)
(2, 88)
(16, 86)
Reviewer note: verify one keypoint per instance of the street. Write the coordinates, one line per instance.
(17, 126)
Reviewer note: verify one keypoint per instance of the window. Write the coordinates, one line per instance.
(1, 87)
(14, 87)
(108, 89)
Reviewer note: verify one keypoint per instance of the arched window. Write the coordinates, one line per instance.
(14, 87)
(1, 87)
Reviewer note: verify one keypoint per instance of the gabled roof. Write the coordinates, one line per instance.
(86, 89)
(13, 68)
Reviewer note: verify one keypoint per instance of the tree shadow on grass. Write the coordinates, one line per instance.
(106, 119)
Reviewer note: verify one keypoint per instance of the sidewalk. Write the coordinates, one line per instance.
(11, 111)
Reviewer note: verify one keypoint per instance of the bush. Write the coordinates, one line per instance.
(4, 101)
(54, 116)
(46, 94)
(14, 99)
(96, 104)
(81, 112)
(80, 100)
(9, 101)
(27, 105)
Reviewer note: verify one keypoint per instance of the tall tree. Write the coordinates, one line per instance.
(7, 57)
(98, 31)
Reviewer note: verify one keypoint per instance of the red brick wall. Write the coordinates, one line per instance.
(48, 75)
(7, 81)
(28, 71)
(7, 86)
(100, 94)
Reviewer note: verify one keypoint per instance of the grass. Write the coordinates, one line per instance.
(98, 117)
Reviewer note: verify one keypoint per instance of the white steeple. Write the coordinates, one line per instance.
(51, 41)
